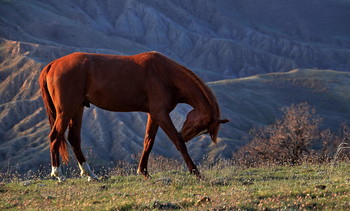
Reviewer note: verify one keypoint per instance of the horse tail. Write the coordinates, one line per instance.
(50, 107)
(51, 111)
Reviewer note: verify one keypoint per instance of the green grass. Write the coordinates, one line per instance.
(225, 187)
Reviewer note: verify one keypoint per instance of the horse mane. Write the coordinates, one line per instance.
(209, 95)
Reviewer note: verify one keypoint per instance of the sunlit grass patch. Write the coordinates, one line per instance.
(225, 187)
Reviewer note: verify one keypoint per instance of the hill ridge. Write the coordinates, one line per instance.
(218, 40)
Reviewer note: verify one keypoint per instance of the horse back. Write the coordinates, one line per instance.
(112, 82)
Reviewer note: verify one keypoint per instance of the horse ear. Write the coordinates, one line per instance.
(223, 121)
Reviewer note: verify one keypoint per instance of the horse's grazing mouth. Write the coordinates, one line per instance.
(86, 103)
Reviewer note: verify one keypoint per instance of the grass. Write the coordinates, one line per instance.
(225, 187)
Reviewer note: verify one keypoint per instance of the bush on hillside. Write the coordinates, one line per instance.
(291, 140)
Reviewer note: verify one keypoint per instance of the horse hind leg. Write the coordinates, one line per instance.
(58, 146)
(74, 139)
(56, 171)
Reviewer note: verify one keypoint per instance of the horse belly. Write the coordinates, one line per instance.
(120, 100)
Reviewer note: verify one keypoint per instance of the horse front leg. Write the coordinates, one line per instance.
(167, 125)
(150, 135)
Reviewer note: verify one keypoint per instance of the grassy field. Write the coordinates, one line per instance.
(225, 187)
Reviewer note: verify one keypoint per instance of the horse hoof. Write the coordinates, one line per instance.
(200, 177)
(146, 176)
(198, 174)
(144, 173)
(93, 179)
(104, 178)
(61, 178)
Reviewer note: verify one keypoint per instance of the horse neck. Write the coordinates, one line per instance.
(193, 91)
(198, 101)
(199, 97)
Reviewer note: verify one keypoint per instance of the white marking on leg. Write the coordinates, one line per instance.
(85, 170)
(57, 172)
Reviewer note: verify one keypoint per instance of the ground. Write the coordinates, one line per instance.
(225, 187)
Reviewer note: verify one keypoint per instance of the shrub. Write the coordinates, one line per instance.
(294, 138)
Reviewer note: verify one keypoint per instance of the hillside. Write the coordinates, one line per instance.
(225, 42)
(219, 39)
(247, 102)
(257, 101)
(306, 187)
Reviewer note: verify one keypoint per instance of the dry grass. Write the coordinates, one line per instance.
(225, 187)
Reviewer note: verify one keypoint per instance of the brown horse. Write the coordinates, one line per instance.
(147, 82)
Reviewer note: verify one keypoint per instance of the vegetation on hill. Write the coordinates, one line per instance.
(294, 138)
(225, 187)
(282, 177)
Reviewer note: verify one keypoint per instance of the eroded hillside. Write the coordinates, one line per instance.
(219, 40)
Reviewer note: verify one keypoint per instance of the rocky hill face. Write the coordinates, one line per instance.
(216, 39)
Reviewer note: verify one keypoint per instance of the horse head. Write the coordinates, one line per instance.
(197, 124)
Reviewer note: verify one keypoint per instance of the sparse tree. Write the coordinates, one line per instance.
(287, 141)
(335, 146)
